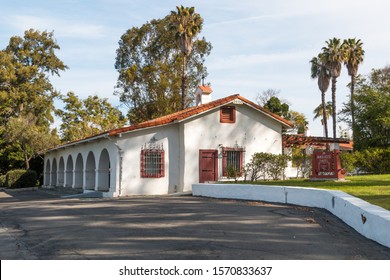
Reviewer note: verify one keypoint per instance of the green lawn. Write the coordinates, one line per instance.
(372, 188)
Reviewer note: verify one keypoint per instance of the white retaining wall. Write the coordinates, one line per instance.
(369, 220)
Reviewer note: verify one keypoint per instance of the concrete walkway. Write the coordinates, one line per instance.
(40, 224)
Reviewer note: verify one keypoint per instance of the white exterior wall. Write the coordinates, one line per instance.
(52, 176)
(132, 142)
(252, 130)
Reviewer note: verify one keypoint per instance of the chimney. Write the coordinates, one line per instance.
(203, 95)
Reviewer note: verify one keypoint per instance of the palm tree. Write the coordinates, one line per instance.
(333, 56)
(319, 71)
(354, 55)
(187, 24)
(319, 112)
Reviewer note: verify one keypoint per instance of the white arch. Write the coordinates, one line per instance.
(104, 172)
(78, 172)
(53, 181)
(90, 176)
(47, 173)
(69, 172)
(61, 172)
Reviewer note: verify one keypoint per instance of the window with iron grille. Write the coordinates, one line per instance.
(152, 163)
(228, 114)
(232, 161)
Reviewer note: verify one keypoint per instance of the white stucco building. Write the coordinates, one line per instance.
(170, 153)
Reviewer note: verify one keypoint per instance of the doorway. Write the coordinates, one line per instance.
(208, 165)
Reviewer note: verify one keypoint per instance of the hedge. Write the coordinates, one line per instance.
(20, 179)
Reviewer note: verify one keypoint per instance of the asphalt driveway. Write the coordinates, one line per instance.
(41, 224)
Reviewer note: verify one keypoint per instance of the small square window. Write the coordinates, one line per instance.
(232, 160)
(152, 163)
(228, 114)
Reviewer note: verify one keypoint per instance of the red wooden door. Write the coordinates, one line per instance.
(208, 165)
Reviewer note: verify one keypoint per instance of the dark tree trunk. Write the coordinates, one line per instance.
(334, 80)
(353, 106)
(184, 83)
(324, 114)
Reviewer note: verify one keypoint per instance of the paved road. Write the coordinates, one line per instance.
(42, 225)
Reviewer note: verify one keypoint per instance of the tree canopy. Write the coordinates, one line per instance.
(27, 96)
(83, 118)
(372, 110)
(150, 67)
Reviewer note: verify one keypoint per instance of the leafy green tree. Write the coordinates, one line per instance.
(372, 110)
(83, 118)
(275, 105)
(150, 67)
(27, 63)
(354, 56)
(299, 120)
(319, 112)
(29, 136)
(186, 24)
(332, 57)
(319, 71)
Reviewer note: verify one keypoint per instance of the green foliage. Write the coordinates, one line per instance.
(302, 161)
(83, 118)
(275, 106)
(266, 165)
(30, 137)
(348, 161)
(150, 69)
(26, 97)
(373, 160)
(372, 110)
(2, 181)
(21, 179)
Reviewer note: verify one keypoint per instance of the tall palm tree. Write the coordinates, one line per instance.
(354, 56)
(319, 71)
(319, 112)
(187, 24)
(333, 56)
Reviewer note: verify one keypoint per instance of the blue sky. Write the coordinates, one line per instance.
(257, 45)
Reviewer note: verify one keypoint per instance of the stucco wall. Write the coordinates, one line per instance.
(89, 154)
(131, 143)
(369, 220)
(252, 130)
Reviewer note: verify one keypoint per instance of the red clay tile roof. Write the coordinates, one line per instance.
(206, 89)
(182, 115)
(189, 112)
(290, 140)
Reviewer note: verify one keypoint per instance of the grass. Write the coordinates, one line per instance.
(374, 189)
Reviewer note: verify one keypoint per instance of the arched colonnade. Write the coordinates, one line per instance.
(90, 172)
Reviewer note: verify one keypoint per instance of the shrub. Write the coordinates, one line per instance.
(348, 161)
(373, 160)
(21, 178)
(2, 181)
(266, 165)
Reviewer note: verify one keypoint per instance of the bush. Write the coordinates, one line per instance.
(266, 165)
(373, 160)
(2, 181)
(20, 179)
(348, 161)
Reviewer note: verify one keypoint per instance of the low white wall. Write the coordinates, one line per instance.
(369, 220)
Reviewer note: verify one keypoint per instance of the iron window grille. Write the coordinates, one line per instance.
(232, 161)
(152, 161)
